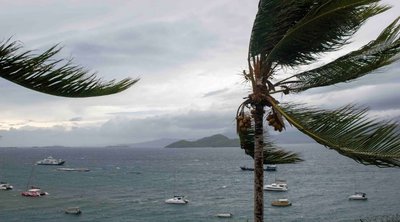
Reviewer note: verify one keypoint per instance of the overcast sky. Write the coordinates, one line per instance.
(188, 54)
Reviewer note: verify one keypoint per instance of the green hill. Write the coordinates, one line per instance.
(217, 140)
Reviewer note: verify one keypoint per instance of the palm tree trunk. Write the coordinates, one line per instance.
(258, 164)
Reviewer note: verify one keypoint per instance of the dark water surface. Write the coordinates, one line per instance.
(132, 184)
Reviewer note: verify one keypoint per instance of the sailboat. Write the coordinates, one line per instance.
(33, 191)
(278, 185)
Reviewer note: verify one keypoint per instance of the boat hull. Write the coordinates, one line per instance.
(177, 200)
(51, 164)
(33, 194)
(6, 187)
(281, 203)
(73, 210)
(357, 198)
(224, 215)
(275, 189)
(278, 204)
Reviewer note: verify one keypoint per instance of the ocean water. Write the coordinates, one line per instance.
(131, 184)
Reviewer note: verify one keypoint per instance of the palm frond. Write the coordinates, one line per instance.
(274, 18)
(376, 54)
(349, 132)
(45, 74)
(318, 26)
(272, 153)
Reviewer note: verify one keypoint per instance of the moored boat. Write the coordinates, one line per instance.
(177, 200)
(270, 168)
(358, 196)
(281, 203)
(73, 210)
(224, 215)
(34, 192)
(50, 161)
(278, 185)
(275, 187)
(5, 186)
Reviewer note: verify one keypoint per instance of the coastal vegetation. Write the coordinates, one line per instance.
(290, 34)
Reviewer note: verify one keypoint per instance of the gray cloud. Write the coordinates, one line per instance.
(124, 130)
(188, 54)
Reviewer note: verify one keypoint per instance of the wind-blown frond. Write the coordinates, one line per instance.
(272, 153)
(274, 18)
(376, 54)
(45, 74)
(349, 132)
(316, 26)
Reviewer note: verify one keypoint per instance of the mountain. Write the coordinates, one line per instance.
(153, 143)
(217, 140)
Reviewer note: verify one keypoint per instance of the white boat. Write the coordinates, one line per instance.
(177, 200)
(50, 161)
(73, 210)
(358, 196)
(281, 203)
(5, 186)
(278, 185)
(224, 215)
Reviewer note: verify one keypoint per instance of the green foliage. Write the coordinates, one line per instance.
(348, 131)
(272, 153)
(296, 32)
(45, 74)
(293, 32)
(375, 54)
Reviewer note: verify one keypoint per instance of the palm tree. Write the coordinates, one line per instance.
(290, 33)
(58, 77)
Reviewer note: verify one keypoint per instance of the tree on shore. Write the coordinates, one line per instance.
(59, 77)
(291, 33)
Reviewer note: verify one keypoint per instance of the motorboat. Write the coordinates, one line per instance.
(177, 200)
(276, 187)
(358, 196)
(34, 192)
(224, 215)
(281, 203)
(5, 186)
(50, 161)
(73, 210)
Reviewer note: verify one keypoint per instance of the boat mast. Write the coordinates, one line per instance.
(30, 176)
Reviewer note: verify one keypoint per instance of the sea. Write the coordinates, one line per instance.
(131, 184)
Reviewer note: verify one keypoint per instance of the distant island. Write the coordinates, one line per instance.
(217, 140)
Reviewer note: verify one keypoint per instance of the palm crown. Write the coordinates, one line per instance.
(290, 33)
